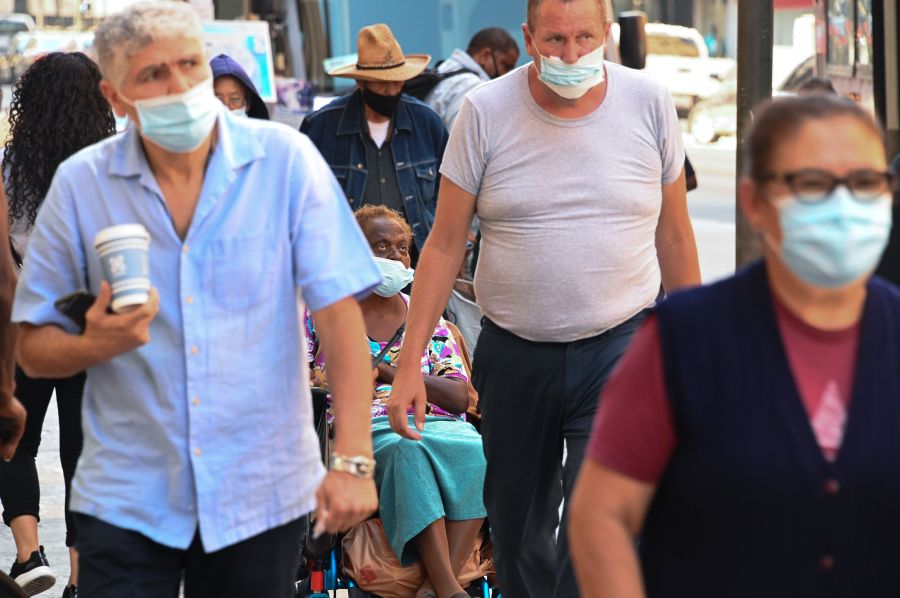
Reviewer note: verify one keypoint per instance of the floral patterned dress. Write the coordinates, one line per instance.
(442, 357)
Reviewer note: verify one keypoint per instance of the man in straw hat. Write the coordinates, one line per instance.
(576, 168)
(200, 458)
(384, 147)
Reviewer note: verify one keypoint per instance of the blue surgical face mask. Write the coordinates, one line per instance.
(395, 276)
(571, 81)
(179, 123)
(239, 112)
(833, 242)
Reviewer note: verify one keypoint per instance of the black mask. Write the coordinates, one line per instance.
(496, 68)
(383, 105)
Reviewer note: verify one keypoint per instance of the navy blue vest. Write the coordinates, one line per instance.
(748, 506)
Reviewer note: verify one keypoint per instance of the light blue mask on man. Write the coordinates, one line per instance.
(571, 81)
(394, 277)
(179, 123)
(832, 242)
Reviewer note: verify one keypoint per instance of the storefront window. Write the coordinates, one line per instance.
(841, 25)
(864, 33)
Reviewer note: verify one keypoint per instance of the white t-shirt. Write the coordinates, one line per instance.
(378, 132)
(568, 207)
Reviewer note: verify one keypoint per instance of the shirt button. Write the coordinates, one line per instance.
(189, 299)
(195, 401)
(832, 486)
(360, 165)
(826, 563)
(382, 181)
(185, 248)
(197, 451)
(194, 350)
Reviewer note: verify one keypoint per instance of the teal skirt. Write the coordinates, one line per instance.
(419, 482)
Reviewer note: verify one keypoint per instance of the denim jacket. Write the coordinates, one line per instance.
(339, 130)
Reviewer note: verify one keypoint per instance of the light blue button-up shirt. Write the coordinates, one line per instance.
(210, 423)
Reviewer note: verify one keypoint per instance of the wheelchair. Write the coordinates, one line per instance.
(320, 571)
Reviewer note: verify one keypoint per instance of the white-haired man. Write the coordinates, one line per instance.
(200, 459)
(575, 168)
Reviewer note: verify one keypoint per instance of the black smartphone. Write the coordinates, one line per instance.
(75, 306)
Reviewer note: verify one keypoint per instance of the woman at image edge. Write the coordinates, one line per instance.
(751, 436)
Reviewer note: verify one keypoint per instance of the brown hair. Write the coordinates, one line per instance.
(369, 212)
(533, 6)
(778, 119)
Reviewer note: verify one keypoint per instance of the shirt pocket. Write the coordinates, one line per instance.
(426, 178)
(243, 269)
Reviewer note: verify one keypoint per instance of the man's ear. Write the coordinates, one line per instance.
(112, 96)
(529, 40)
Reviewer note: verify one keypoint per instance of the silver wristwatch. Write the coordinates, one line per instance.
(360, 467)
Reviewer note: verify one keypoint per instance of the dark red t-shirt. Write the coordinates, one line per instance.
(634, 433)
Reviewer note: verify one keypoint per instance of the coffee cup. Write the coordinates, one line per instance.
(124, 255)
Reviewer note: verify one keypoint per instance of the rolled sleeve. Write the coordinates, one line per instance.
(332, 260)
(54, 264)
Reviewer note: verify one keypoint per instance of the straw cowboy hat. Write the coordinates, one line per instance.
(379, 58)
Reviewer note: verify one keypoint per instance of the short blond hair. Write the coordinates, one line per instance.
(124, 34)
(605, 8)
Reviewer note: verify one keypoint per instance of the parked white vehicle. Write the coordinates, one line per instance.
(677, 57)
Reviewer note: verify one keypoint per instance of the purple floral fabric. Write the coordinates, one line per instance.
(442, 357)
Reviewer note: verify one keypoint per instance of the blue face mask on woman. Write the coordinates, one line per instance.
(834, 241)
(395, 276)
(571, 81)
(179, 123)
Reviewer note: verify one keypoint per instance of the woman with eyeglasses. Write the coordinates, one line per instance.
(750, 439)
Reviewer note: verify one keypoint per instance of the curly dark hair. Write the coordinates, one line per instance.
(56, 110)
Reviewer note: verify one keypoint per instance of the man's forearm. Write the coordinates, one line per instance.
(435, 275)
(51, 352)
(679, 262)
(8, 348)
(342, 336)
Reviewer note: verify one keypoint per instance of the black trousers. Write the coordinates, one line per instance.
(115, 562)
(535, 397)
(20, 488)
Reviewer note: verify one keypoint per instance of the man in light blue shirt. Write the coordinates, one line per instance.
(200, 458)
(492, 53)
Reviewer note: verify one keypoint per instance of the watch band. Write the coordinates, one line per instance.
(359, 466)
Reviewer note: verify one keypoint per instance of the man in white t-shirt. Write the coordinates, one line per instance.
(575, 169)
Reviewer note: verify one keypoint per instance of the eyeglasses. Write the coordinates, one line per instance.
(812, 185)
(232, 102)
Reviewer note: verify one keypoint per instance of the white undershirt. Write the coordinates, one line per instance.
(379, 132)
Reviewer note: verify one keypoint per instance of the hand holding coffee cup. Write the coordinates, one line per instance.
(124, 255)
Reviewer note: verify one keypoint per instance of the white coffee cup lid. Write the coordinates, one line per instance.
(121, 231)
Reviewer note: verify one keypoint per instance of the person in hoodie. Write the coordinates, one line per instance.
(234, 88)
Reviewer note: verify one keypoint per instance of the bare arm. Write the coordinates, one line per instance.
(676, 247)
(11, 411)
(51, 352)
(437, 269)
(449, 394)
(344, 500)
(606, 514)
(340, 328)
(7, 290)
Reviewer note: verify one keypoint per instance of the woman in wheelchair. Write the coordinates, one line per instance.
(430, 491)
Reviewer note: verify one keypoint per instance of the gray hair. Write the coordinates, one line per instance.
(124, 34)
(532, 6)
